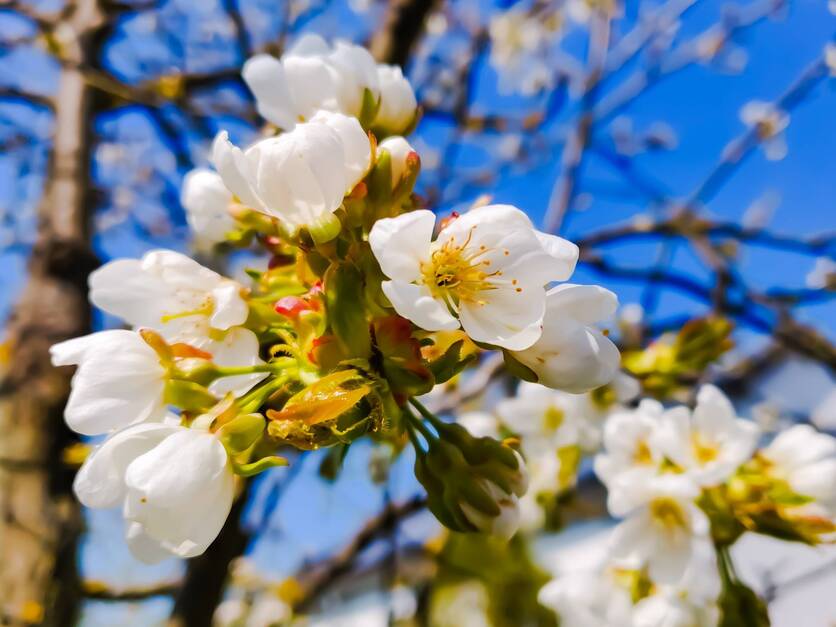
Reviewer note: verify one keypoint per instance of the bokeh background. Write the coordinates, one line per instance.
(642, 136)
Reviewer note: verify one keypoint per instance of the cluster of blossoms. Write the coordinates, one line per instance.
(687, 485)
(365, 303)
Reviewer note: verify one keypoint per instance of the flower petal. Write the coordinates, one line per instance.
(415, 303)
(401, 244)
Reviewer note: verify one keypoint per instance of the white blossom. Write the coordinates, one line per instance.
(175, 486)
(712, 442)
(310, 76)
(769, 123)
(486, 271)
(397, 100)
(571, 354)
(664, 529)
(519, 46)
(207, 201)
(587, 599)
(671, 610)
(119, 382)
(168, 292)
(314, 76)
(806, 460)
(631, 450)
(299, 177)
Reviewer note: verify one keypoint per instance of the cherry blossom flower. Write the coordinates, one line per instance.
(710, 443)
(485, 272)
(299, 177)
(175, 485)
(806, 460)
(664, 530)
(168, 292)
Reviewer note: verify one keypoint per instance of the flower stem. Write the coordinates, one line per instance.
(426, 413)
(416, 422)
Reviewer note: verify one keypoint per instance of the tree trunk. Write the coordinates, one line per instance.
(41, 519)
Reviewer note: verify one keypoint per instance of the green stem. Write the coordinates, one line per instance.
(426, 413)
(726, 566)
(413, 420)
(256, 397)
(413, 437)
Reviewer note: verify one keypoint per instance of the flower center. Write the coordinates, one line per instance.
(704, 452)
(642, 454)
(552, 419)
(667, 513)
(458, 273)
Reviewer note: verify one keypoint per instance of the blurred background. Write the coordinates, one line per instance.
(687, 146)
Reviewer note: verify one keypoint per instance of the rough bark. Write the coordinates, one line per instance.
(40, 519)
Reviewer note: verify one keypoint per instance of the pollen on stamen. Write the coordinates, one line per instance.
(506, 252)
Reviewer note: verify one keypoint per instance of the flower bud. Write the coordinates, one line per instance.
(403, 158)
(473, 484)
(398, 107)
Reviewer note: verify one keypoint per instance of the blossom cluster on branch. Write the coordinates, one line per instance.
(366, 303)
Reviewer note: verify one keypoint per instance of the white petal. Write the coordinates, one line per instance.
(177, 470)
(415, 303)
(206, 201)
(399, 150)
(235, 170)
(119, 382)
(143, 547)
(401, 244)
(239, 347)
(585, 303)
(357, 152)
(563, 253)
(265, 77)
(229, 308)
(100, 482)
(121, 288)
(508, 319)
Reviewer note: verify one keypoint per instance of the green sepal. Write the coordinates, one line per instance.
(258, 466)
(450, 363)
(188, 396)
(369, 108)
(242, 432)
(518, 369)
(325, 228)
(379, 182)
(343, 284)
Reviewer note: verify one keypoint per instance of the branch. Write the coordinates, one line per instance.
(100, 591)
(401, 29)
(314, 579)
